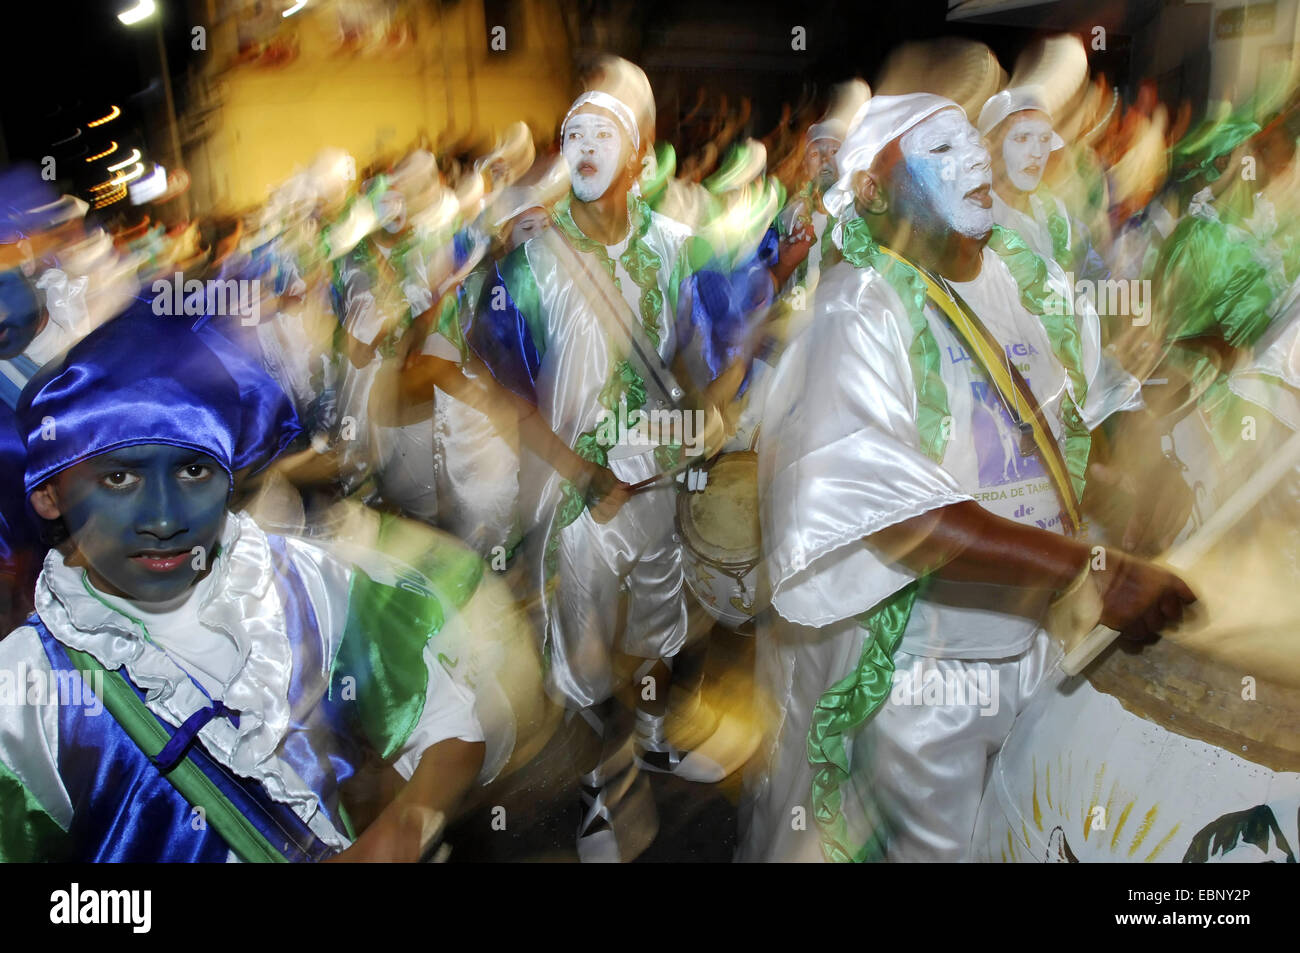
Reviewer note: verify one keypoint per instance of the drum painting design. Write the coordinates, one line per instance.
(1166, 755)
(720, 530)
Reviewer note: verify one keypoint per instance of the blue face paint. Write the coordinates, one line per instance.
(20, 313)
(944, 182)
(136, 516)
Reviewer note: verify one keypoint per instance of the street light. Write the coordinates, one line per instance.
(143, 10)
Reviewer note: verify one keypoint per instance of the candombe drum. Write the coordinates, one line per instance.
(720, 531)
(1187, 751)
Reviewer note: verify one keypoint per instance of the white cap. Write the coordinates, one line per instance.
(831, 128)
(621, 111)
(1001, 105)
(545, 185)
(877, 123)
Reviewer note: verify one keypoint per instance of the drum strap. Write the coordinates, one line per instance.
(606, 300)
(1011, 386)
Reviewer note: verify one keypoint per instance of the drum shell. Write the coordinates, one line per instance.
(725, 583)
(1157, 756)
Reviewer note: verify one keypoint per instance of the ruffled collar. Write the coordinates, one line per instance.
(238, 598)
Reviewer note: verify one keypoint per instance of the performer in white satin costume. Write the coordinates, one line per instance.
(448, 463)
(589, 365)
(580, 322)
(878, 414)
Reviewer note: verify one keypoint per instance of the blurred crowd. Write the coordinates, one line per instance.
(596, 400)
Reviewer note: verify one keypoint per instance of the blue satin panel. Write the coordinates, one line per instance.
(17, 534)
(145, 379)
(461, 245)
(124, 809)
(722, 306)
(500, 337)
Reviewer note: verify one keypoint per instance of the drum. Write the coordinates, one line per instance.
(1168, 754)
(720, 531)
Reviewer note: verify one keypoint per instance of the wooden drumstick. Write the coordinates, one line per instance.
(1189, 552)
(690, 464)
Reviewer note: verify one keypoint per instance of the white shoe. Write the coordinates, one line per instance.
(620, 820)
(722, 753)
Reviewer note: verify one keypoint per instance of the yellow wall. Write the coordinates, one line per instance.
(275, 120)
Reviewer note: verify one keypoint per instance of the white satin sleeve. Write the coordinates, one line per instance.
(29, 733)
(1271, 378)
(1111, 389)
(448, 713)
(840, 454)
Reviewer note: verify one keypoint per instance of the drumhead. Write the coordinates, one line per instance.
(1253, 713)
(720, 524)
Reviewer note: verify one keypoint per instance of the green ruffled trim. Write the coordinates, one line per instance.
(850, 702)
(1057, 316)
(28, 834)
(639, 259)
(840, 712)
(1059, 229)
(625, 385)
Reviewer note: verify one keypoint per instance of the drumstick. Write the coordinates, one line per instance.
(1188, 553)
(673, 471)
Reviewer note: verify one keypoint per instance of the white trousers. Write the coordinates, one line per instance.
(918, 765)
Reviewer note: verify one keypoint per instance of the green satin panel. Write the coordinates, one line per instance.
(387, 630)
(27, 832)
(1205, 282)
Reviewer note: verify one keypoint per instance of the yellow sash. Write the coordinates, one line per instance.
(1010, 385)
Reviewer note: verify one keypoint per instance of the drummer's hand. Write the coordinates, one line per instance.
(1139, 598)
(719, 426)
(606, 494)
(396, 837)
(791, 251)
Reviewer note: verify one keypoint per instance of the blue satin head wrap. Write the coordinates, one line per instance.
(142, 379)
(25, 200)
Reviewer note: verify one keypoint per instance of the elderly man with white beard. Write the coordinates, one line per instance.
(923, 454)
(581, 322)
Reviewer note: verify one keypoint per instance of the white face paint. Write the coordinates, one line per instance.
(946, 177)
(593, 146)
(527, 225)
(1025, 149)
(819, 163)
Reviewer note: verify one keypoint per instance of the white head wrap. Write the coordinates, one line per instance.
(876, 124)
(1001, 105)
(542, 189)
(622, 112)
(832, 129)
